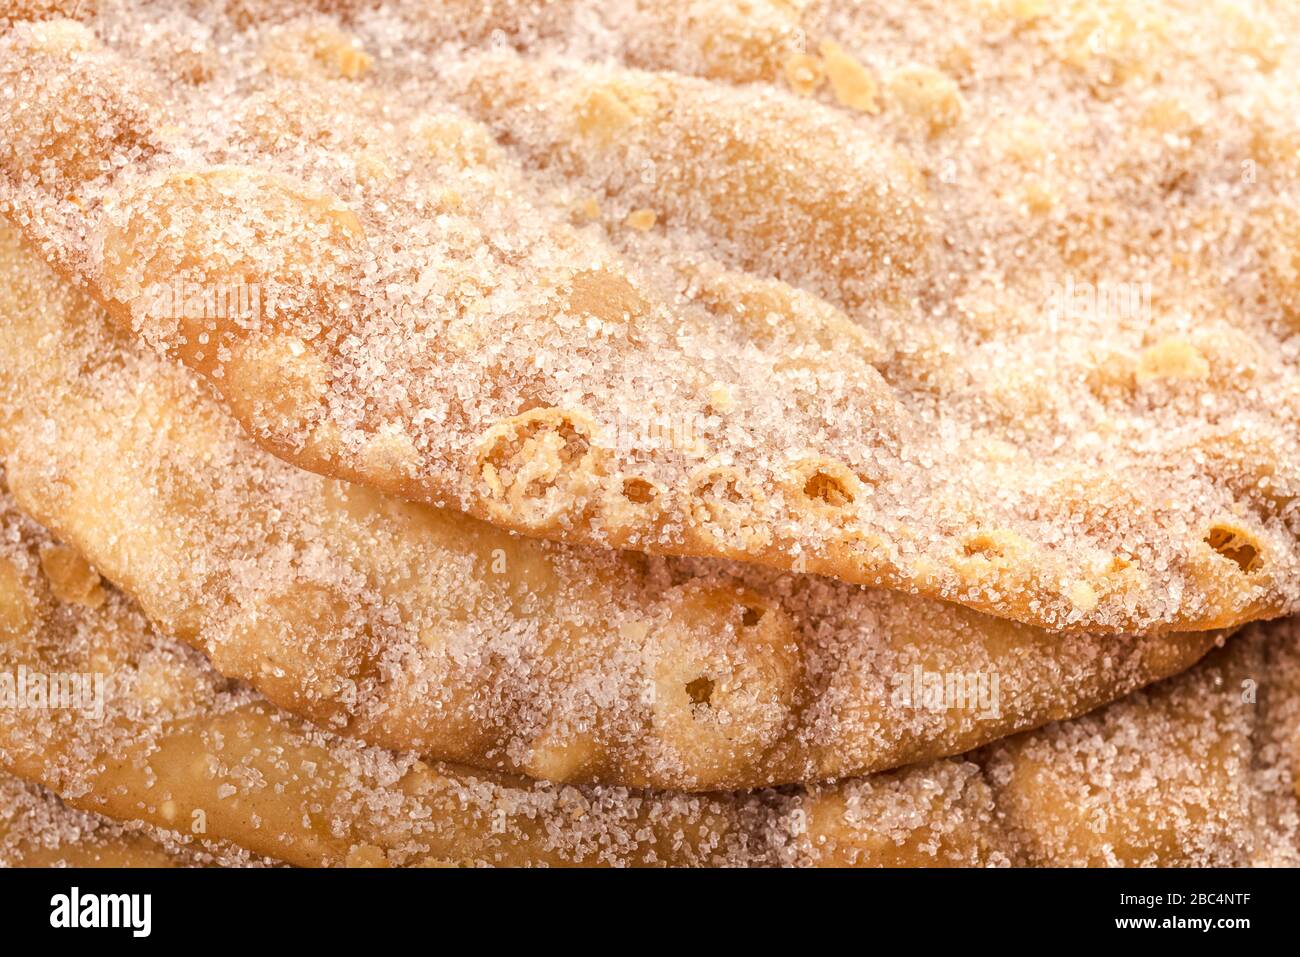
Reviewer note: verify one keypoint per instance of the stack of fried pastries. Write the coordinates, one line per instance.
(650, 432)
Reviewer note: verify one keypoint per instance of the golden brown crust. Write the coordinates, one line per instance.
(1198, 771)
(171, 744)
(446, 291)
(425, 630)
(39, 830)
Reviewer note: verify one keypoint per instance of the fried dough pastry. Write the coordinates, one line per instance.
(174, 745)
(39, 830)
(424, 630)
(1184, 773)
(1001, 313)
(1187, 774)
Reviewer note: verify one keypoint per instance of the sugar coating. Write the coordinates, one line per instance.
(1199, 771)
(1019, 280)
(426, 630)
(178, 747)
(39, 830)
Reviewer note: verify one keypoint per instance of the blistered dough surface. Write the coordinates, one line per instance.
(993, 302)
(426, 630)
